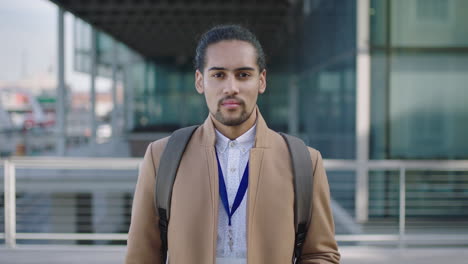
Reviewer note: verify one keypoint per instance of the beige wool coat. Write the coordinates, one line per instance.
(193, 227)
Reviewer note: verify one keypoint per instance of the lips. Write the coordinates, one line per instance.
(230, 103)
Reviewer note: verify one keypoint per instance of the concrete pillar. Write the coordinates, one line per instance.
(114, 114)
(93, 88)
(61, 92)
(362, 109)
(10, 203)
(128, 98)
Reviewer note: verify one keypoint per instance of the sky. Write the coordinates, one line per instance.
(28, 43)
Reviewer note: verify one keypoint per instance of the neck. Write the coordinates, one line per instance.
(233, 132)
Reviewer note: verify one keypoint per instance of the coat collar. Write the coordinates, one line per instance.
(209, 134)
(244, 142)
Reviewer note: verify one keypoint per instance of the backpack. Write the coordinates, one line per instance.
(302, 171)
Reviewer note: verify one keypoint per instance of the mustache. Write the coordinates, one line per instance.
(220, 102)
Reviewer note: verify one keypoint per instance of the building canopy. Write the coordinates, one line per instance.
(161, 29)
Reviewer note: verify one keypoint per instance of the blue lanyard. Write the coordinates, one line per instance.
(240, 192)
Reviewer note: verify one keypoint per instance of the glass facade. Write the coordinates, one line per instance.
(167, 99)
(327, 78)
(327, 85)
(419, 71)
(82, 32)
(82, 46)
(419, 76)
(419, 68)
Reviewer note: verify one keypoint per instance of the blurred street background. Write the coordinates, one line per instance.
(380, 87)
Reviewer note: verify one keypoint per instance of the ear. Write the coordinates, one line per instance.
(199, 82)
(262, 82)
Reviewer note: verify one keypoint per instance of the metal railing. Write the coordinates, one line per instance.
(12, 165)
(403, 166)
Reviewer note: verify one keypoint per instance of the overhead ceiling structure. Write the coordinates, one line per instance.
(161, 29)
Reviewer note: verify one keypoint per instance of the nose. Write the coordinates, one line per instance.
(231, 86)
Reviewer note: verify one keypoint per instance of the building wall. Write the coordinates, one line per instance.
(419, 66)
(419, 57)
(419, 76)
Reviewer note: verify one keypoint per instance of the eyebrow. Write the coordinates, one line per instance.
(237, 69)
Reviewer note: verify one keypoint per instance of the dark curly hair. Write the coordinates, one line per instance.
(227, 32)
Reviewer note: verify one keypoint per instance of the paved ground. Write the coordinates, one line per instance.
(368, 255)
(115, 254)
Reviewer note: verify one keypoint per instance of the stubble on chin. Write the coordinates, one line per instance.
(234, 121)
(231, 121)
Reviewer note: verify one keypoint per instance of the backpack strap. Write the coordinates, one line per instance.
(168, 165)
(303, 186)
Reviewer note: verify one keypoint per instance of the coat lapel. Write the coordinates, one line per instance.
(208, 139)
(255, 174)
(255, 162)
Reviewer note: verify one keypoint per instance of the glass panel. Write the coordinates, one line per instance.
(343, 191)
(378, 22)
(327, 80)
(81, 46)
(379, 103)
(419, 23)
(429, 23)
(384, 202)
(168, 100)
(384, 194)
(428, 114)
(419, 80)
(274, 102)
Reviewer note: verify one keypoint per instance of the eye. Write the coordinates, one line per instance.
(218, 75)
(244, 75)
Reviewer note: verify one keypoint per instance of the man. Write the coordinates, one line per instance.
(203, 228)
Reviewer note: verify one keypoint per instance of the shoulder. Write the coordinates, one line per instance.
(315, 155)
(277, 141)
(156, 148)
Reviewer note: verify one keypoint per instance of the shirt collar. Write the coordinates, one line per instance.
(245, 141)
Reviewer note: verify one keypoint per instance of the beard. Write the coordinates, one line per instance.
(232, 121)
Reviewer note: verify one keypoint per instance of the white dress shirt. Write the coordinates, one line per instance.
(233, 156)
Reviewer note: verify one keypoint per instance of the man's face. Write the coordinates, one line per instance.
(231, 81)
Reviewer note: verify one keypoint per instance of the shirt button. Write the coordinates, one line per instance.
(232, 144)
(233, 169)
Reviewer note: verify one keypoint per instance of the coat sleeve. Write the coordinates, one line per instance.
(144, 242)
(320, 246)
